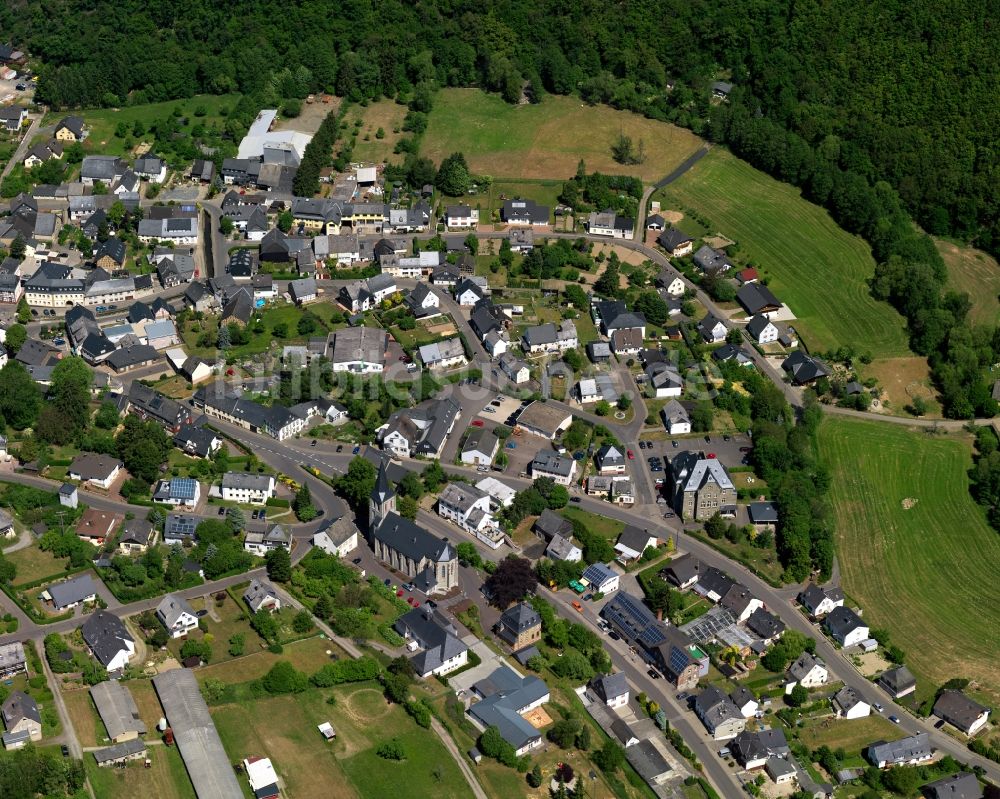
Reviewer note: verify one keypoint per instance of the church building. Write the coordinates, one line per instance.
(430, 562)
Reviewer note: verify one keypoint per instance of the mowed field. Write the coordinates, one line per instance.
(547, 140)
(927, 574)
(820, 271)
(284, 729)
(978, 275)
(166, 777)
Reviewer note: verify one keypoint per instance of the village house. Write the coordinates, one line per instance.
(441, 650)
(808, 671)
(960, 712)
(548, 463)
(97, 470)
(108, 640)
(338, 537)
(260, 595)
(260, 542)
(519, 626)
(176, 615)
(246, 488)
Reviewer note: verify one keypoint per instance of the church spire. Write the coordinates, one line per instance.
(383, 488)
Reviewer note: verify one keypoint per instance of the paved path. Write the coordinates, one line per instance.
(22, 149)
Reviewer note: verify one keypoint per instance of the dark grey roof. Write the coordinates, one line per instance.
(763, 513)
(551, 523)
(137, 531)
(19, 706)
(132, 356)
(842, 620)
(647, 760)
(525, 211)
(804, 368)
(113, 248)
(756, 297)
(436, 636)
(957, 709)
(611, 686)
(750, 746)
(682, 569)
(257, 593)
(413, 541)
(106, 635)
(897, 679)
(765, 624)
(671, 237)
(757, 325)
(110, 754)
(715, 581)
(517, 620)
(962, 785)
(916, 747)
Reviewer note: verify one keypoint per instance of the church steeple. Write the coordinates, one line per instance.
(382, 501)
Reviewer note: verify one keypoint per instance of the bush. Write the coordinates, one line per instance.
(343, 671)
(284, 678)
(391, 750)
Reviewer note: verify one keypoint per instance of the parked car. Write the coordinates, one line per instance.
(894, 719)
(744, 449)
(588, 597)
(21, 87)
(312, 443)
(574, 499)
(631, 455)
(356, 561)
(65, 750)
(653, 673)
(222, 511)
(356, 450)
(511, 445)
(674, 444)
(477, 422)
(409, 586)
(614, 636)
(669, 515)
(387, 582)
(577, 606)
(878, 707)
(340, 447)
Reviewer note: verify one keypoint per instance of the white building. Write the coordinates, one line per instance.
(176, 615)
(808, 671)
(337, 538)
(676, 418)
(246, 488)
(469, 508)
(762, 330)
(848, 705)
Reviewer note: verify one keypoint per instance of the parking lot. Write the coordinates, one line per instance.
(729, 452)
(499, 413)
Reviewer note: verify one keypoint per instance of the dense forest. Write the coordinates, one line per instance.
(904, 91)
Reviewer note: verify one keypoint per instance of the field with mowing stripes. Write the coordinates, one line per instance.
(927, 574)
(549, 139)
(820, 271)
(977, 274)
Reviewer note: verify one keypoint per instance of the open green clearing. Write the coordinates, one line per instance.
(103, 121)
(978, 275)
(927, 574)
(850, 735)
(602, 525)
(33, 564)
(166, 778)
(284, 729)
(546, 140)
(814, 266)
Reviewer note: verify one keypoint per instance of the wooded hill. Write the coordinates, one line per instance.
(904, 91)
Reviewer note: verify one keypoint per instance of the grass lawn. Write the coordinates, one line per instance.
(900, 564)
(165, 779)
(284, 728)
(813, 265)
(385, 114)
(602, 525)
(103, 121)
(543, 192)
(850, 735)
(83, 714)
(978, 275)
(546, 140)
(33, 564)
(307, 655)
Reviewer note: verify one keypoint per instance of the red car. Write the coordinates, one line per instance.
(399, 592)
(710, 455)
(477, 423)
(631, 455)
